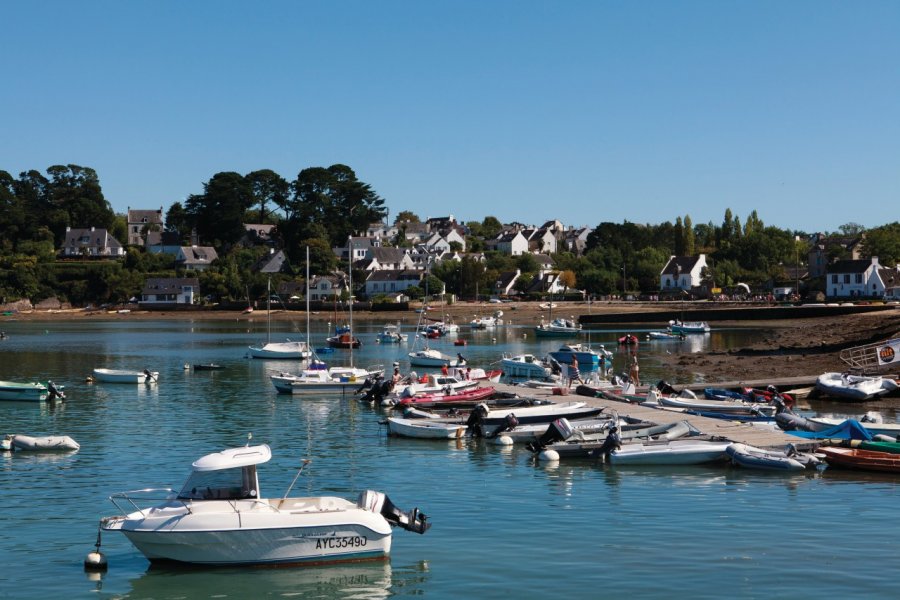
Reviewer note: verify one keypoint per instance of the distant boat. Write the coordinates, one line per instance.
(286, 350)
(426, 357)
(688, 327)
(585, 355)
(390, 334)
(122, 376)
(208, 367)
(28, 392)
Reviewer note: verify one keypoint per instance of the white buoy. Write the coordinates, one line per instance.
(95, 561)
(549, 456)
(187, 367)
(503, 440)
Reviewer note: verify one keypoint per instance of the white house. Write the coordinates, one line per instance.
(853, 278)
(196, 258)
(91, 242)
(391, 282)
(166, 291)
(512, 243)
(682, 273)
(326, 288)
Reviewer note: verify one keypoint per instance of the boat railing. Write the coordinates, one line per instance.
(870, 358)
(146, 495)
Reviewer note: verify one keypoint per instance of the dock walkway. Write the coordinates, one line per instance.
(761, 437)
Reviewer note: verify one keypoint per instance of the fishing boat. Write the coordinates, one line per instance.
(26, 392)
(343, 340)
(524, 365)
(771, 460)
(286, 350)
(586, 356)
(559, 327)
(221, 517)
(866, 460)
(390, 334)
(125, 376)
(858, 388)
(322, 381)
(47, 443)
(676, 326)
(425, 428)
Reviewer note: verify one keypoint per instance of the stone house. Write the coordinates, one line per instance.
(138, 220)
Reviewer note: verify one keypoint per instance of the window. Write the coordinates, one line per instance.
(847, 278)
(834, 278)
(859, 278)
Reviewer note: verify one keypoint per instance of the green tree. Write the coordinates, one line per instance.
(406, 216)
(218, 213)
(267, 188)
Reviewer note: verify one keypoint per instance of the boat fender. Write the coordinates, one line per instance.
(504, 440)
(549, 456)
(95, 561)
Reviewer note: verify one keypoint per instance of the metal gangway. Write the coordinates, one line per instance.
(871, 358)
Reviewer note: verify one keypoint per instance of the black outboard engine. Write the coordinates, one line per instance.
(54, 392)
(665, 387)
(558, 431)
(378, 503)
(475, 422)
(555, 367)
(612, 442)
(509, 423)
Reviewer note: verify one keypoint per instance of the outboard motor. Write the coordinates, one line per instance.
(54, 392)
(665, 387)
(508, 424)
(612, 442)
(558, 431)
(475, 422)
(379, 503)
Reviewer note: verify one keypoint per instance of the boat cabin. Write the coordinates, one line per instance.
(226, 475)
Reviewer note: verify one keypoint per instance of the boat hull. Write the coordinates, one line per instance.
(259, 538)
(688, 453)
(117, 376)
(23, 392)
(279, 350)
(425, 429)
(854, 458)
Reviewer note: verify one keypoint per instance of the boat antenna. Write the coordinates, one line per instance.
(306, 461)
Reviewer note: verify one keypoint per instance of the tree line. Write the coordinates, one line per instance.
(322, 206)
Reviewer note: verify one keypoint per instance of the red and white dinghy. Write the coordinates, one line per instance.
(469, 397)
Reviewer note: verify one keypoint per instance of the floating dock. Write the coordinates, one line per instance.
(745, 433)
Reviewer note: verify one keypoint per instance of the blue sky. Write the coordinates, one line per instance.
(585, 111)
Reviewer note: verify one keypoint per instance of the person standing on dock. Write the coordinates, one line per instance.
(635, 370)
(574, 374)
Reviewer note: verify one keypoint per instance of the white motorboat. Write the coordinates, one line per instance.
(323, 381)
(487, 322)
(854, 387)
(425, 428)
(220, 517)
(524, 365)
(427, 357)
(665, 335)
(675, 452)
(688, 327)
(47, 443)
(586, 356)
(27, 392)
(432, 384)
(123, 376)
(557, 328)
(541, 413)
(390, 334)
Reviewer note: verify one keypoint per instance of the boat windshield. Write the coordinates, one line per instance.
(222, 484)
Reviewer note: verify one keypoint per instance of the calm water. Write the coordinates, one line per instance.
(503, 525)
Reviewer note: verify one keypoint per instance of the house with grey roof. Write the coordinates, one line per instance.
(326, 288)
(163, 242)
(391, 283)
(93, 243)
(824, 248)
(505, 283)
(195, 258)
(682, 273)
(511, 242)
(142, 221)
(161, 292)
(387, 258)
(855, 278)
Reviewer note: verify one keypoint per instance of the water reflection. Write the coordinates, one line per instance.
(358, 580)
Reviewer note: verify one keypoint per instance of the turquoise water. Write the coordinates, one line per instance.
(503, 524)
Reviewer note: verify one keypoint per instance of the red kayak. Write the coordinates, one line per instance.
(467, 397)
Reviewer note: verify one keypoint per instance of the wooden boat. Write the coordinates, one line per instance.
(343, 340)
(465, 398)
(858, 388)
(425, 428)
(771, 460)
(855, 458)
(873, 446)
(28, 392)
(49, 443)
(123, 376)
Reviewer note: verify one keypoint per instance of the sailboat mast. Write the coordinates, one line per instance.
(308, 347)
(350, 272)
(269, 310)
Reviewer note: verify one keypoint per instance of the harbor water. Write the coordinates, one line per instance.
(503, 524)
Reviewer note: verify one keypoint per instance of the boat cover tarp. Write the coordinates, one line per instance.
(850, 429)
